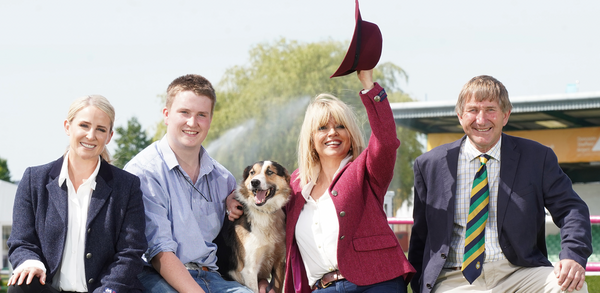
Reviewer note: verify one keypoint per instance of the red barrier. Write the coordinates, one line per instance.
(592, 267)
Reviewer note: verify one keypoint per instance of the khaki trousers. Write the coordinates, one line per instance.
(500, 277)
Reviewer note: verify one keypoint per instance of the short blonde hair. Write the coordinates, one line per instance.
(99, 102)
(318, 113)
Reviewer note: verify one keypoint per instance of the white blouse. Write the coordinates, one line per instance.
(317, 232)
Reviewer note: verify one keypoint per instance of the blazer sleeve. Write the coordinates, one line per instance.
(383, 142)
(23, 243)
(569, 212)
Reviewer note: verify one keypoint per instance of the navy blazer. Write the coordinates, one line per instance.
(530, 179)
(115, 239)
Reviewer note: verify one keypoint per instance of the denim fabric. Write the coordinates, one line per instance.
(211, 282)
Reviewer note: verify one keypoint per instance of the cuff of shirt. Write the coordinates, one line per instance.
(31, 263)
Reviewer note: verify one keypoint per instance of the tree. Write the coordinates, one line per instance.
(4, 172)
(130, 142)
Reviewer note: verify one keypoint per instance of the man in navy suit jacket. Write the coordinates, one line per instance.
(523, 178)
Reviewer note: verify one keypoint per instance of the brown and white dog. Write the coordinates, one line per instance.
(257, 238)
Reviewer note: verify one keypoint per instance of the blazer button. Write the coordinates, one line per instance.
(342, 237)
(342, 213)
(88, 255)
(429, 286)
(377, 98)
(443, 255)
(334, 193)
(89, 230)
(91, 281)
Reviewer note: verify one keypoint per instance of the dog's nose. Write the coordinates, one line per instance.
(255, 183)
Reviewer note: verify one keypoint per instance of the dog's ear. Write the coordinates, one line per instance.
(282, 171)
(247, 172)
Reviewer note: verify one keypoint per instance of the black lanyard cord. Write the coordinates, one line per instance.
(194, 186)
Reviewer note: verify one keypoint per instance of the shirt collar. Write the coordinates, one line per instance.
(206, 165)
(472, 153)
(64, 172)
(308, 187)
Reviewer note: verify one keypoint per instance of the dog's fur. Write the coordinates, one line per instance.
(257, 238)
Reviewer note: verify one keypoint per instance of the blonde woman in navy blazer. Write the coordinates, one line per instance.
(47, 233)
(336, 169)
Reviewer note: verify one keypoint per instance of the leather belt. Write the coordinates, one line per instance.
(454, 268)
(328, 279)
(195, 267)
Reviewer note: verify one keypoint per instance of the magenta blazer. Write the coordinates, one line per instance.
(368, 251)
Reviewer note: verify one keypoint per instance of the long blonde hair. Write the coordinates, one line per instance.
(323, 107)
(99, 102)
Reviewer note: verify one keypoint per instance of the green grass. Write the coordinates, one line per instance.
(593, 283)
(3, 284)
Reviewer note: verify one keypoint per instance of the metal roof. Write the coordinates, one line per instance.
(529, 113)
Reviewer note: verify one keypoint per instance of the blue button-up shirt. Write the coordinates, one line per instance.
(180, 218)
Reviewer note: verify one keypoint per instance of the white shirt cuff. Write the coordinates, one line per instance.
(31, 263)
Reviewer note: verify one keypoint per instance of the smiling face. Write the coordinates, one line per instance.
(89, 132)
(332, 141)
(482, 122)
(188, 121)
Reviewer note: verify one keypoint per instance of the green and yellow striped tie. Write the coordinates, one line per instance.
(478, 215)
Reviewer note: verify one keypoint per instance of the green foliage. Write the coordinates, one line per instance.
(4, 172)
(130, 142)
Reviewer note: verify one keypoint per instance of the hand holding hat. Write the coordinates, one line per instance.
(365, 47)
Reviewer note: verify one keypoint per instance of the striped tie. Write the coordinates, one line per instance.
(478, 215)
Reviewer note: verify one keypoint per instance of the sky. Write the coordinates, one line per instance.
(52, 52)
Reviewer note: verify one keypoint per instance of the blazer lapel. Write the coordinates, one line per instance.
(449, 184)
(509, 157)
(101, 192)
(58, 195)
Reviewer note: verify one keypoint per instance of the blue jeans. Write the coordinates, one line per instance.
(211, 282)
(344, 286)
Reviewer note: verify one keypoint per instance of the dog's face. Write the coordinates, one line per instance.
(266, 185)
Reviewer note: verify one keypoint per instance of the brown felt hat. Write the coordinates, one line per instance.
(365, 47)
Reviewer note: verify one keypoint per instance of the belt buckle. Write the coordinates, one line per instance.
(325, 285)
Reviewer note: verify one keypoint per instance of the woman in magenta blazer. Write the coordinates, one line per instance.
(337, 232)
